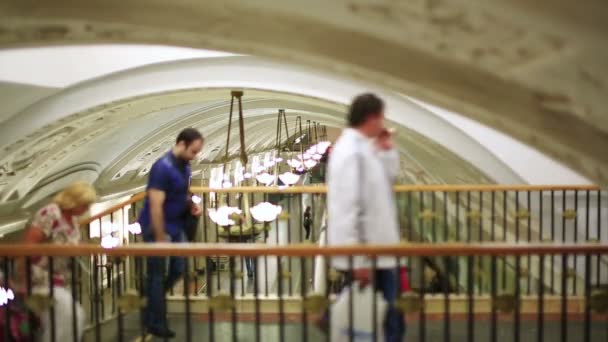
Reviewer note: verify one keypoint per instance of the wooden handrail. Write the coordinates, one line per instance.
(305, 250)
(135, 198)
(322, 189)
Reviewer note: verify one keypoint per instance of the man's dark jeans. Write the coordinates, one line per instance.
(158, 282)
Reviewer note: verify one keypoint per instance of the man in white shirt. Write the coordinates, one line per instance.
(362, 168)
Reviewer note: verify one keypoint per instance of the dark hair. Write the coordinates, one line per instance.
(188, 136)
(363, 107)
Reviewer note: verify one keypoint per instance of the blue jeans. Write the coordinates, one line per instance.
(387, 282)
(158, 282)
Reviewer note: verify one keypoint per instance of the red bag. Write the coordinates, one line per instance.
(405, 280)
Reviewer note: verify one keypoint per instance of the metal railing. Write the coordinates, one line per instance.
(289, 314)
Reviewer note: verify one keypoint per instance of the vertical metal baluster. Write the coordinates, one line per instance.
(422, 315)
(540, 217)
(303, 298)
(517, 318)
(118, 293)
(421, 219)
(410, 225)
(504, 238)
(434, 220)
(243, 260)
(281, 302)
(422, 324)
(564, 303)
(204, 217)
(529, 237)
(209, 288)
(493, 290)
(312, 215)
(480, 239)
(493, 279)
(52, 295)
(469, 230)
(289, 268)
(73, 270)
(28, 284)
(599, 235)
(187, 297)
(231, 266)
(96, 296)
(587, 319)
(217, 240)
(446, 278)
(457, 239)
(575, 256)
(351, 317)
(470, 301)
(541, 299)
(552, 262)
(374, 280)
(266, 225)
(139, 262)
(256, 292)
(328, 289)
(517, 217)
(587, 212)
(446, 301)
(7, 308)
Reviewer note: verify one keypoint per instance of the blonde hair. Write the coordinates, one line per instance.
(75, 195)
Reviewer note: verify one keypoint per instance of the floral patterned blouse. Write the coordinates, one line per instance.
(57, 230)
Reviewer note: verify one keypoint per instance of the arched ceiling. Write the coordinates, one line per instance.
(115, 143)
(535, 70)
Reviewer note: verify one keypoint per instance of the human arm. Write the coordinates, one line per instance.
(388, 153)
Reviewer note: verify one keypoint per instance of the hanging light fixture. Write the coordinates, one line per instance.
(265, 212)
(238, 95)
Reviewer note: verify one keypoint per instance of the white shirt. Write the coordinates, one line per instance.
(361, 202)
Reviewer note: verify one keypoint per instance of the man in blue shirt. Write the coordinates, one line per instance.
(163, 219)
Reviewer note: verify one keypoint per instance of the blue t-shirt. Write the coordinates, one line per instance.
(172, 176)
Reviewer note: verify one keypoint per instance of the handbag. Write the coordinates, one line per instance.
(363, 306)
(190, 226)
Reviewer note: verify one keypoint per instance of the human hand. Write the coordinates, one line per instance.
(384, 140)
(195, 210)
(362, 276)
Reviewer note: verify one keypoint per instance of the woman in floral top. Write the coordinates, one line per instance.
(57, 223)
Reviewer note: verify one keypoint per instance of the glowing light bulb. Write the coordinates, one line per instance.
(196, 199)
(265, 212)
(278, 159)
(247, 175)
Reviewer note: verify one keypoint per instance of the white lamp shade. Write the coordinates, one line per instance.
(134, 228)
(265, 212)
(289, 178)
(265, 178)
(294, 163)
(310, 163)
(109, 241)
(221, 216)
(6, 295)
